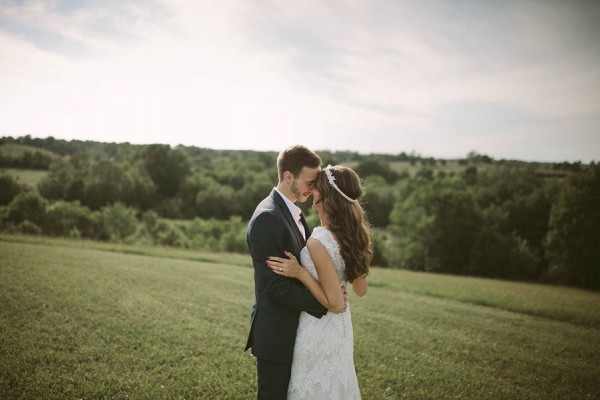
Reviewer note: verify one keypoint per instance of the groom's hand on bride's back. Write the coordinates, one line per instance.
(345, 294)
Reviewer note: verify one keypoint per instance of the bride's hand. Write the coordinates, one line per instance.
(288, 267)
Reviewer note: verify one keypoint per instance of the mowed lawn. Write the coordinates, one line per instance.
(90, 322)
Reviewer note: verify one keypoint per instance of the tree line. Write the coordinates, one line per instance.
(480, 217)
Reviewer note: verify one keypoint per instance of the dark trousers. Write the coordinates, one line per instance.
(273, 379)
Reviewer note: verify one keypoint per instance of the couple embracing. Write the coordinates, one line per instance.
(301, 327)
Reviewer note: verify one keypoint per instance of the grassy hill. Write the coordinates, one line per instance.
(15, 150)
(93, 320)
(28, 172)
(30, 177)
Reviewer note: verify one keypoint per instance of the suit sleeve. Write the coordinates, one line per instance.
(266, 239)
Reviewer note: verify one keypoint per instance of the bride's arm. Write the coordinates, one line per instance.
(327, 289)
(328, 282)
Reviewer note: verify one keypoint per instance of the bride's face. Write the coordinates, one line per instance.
(317, 205)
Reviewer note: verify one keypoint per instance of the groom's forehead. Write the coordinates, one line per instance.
(309, 174)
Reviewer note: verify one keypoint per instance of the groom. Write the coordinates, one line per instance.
(277, 226)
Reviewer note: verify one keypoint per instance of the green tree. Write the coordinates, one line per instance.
(106, 184)
(378, 201)
(204, 197)
(499, 254)
(65, 179)
(376, 167)
(168, 168)
(257, 186)
(470, 175)
(9, 189)
(525, 200)
(380, 254)
(27, 205)
(435, 228)
(55, 184)
(573, 241)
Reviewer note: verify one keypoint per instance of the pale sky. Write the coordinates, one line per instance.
(510, 79)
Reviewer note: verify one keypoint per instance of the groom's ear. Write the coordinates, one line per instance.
(287, 177)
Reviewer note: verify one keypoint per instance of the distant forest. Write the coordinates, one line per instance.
(475, 216)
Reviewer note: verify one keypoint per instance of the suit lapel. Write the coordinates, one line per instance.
(290, 220)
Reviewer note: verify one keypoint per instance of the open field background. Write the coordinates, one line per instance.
(29, 177)
(91, 320)
(514, 218)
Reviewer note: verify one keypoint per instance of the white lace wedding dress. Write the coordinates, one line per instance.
(323, 363)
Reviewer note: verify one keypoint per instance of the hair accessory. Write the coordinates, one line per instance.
(331, 180)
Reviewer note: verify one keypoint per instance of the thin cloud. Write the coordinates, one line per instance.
(439, 78)
(418, 60)
(78, 29)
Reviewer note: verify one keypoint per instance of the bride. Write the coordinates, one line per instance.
(338, 252)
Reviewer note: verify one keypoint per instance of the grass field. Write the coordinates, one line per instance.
(29, 177)
(15, 150)
(83, 320)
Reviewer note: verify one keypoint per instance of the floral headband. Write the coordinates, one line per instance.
(331, 180)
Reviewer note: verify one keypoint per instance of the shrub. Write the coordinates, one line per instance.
(116, 222)
(217, 235)
(27, 205)
(63, 217)
(29, 228)
(9, 189)
(169, 234)
(233, 238)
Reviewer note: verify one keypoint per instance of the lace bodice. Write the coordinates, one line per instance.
(325, 236)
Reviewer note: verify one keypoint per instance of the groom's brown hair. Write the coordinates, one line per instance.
(294, 158)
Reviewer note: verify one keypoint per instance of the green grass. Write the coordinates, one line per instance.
(154, 251)
(16, 150)
(29, 177)
(93, 320)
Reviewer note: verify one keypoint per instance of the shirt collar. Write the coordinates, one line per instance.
(294, 209)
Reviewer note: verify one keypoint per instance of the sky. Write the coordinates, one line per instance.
(508, 79)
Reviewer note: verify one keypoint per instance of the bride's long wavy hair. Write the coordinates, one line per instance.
(347, 220)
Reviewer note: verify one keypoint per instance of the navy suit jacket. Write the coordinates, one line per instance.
(278, 300)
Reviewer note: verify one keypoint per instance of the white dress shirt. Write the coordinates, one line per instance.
(295, 211)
